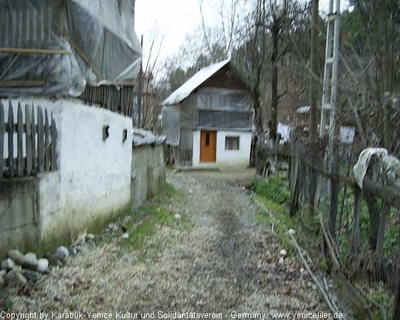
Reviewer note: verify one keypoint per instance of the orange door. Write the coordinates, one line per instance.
(208, 146)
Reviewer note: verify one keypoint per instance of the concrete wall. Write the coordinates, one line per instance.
(148, 172)
(18, 214)
(226, 158)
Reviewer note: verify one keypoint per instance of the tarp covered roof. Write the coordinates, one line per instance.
(187, 88)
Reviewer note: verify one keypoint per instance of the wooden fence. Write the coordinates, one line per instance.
(27, 147)
(352, 222)
(120, 100)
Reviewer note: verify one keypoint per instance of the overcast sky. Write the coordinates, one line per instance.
(172, 20)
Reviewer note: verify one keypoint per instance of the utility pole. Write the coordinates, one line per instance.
(329, 96)
(139, 97)
(329, 104)
(313, 97)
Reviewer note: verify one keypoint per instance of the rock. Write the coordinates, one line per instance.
(17, 256)
(61, 253)
(30, 261)
(2, 278)
(15, 279)
(8, 264)
(90, 236)
(283, 253)
(177, 216)
(43, 265)
(54, 261)
(72, 251)
(281, 259)
(125, 236)
(31, 276)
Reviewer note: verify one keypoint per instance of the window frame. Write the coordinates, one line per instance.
(231, 143)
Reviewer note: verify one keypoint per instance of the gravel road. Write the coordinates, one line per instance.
(224, 262)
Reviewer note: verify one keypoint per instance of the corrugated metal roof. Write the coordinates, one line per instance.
(187, 88)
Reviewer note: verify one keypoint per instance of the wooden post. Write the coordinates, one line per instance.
(46, 142)
(396, 302)
(53, 145)
(34, 144)
(355, 238)
(11, 140)
(40, 140)
(20, 149)
(1, 139)
(28, 141)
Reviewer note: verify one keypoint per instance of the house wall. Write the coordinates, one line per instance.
(148, 172)
(226, 158)
(18, 214)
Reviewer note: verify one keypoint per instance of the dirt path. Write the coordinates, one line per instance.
(215, 258)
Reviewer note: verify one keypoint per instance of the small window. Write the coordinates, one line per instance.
(124, 135)
(231, 143)
(106, 132)
(207, 139)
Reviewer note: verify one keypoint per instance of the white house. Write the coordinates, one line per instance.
(208, 120)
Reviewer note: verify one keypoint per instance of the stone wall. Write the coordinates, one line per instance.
(148, 172)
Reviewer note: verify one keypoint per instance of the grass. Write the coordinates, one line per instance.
(144, 222)
(273, 194)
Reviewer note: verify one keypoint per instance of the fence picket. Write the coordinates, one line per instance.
(40, 139)
(28, 141)
(33, 141)
(53, 144)
(11, 139)
(20, 149)
(1, 138)
(46, 142)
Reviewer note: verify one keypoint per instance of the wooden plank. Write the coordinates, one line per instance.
(34, 51)
(20, 149)
(2, 120)
(40, 140)
(46, 141)
(53, 145)
(34, 143)
(22, 83)
(28, 140)
(10, 140)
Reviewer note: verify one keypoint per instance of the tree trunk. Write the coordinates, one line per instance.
(313, 101)
(260, 134)
(381, 231)
(396, 303)
(274, 95)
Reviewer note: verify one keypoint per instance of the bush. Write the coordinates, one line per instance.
(273, 189)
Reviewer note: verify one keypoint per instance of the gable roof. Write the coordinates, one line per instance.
(187, 88)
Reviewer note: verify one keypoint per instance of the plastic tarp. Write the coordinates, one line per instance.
(56, 47)
(142, 137)
(170, 120)
(388, 166)
(221, 108)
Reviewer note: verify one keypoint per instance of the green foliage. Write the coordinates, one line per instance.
(144, 222)
(273, 194)
(170, 191)
(274, 189)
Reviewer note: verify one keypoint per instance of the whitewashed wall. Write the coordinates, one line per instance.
(237, 158)
(226, 158)
(92, 185)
